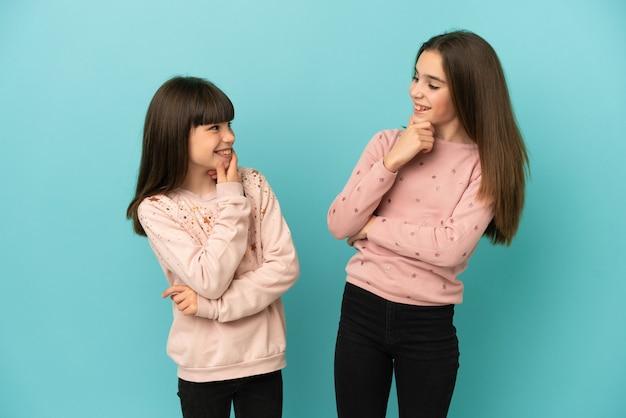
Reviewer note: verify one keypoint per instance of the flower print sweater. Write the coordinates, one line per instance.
(234, 248)
(429, 221)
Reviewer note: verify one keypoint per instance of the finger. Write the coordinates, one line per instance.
(221, 172)
(173, 290)
(191, 308)
(233, 174)
(234, 160)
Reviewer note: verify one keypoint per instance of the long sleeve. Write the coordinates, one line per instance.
(206, 263)
(361, 196)
(429, 220)
(445, 243)
(270, 266)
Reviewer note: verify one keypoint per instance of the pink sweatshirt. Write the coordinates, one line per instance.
(429, 221)
(234, 248)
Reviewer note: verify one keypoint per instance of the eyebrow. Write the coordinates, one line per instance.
(432, 77)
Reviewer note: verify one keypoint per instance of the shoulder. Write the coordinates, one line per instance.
(253, 181)
(385, 139)
(387, 135)
(157, 203)
(251, 176)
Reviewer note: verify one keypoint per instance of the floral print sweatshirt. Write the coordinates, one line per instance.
(234, 248)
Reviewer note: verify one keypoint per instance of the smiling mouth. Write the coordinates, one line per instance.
(420, 108)
(225, 152)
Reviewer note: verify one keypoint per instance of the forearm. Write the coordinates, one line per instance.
(356, 204)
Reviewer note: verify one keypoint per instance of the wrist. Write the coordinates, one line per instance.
(389, 165)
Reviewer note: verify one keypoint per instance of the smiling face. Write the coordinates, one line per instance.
(432, 100)
(208, 145)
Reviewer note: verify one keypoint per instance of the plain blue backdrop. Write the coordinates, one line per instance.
(542, 327)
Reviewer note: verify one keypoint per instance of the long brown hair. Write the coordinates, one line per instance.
(483, 105)
(179, 105)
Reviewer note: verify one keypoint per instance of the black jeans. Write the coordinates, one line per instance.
(252, 397)
(377, 338)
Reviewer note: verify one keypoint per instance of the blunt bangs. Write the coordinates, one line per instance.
(211, 105)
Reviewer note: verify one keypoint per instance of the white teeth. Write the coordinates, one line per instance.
(421, 108)
(225, 152)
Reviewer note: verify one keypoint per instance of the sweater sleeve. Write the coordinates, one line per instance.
(447, 243)
(367, 185)
(207, 267)
(254, 290)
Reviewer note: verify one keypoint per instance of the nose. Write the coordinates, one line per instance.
(229, 136)
(415, 90)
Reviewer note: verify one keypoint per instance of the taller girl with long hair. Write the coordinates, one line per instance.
(226, 251)
(415, 208)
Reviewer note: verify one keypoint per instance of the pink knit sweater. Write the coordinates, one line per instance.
(234, 248)
(429, 221)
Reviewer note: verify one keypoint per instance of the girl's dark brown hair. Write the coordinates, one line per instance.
(179, 105)
(481, 99)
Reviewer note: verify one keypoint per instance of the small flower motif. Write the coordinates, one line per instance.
(356, 210)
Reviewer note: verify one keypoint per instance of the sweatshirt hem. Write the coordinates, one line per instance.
(232, 371)
(397, 299)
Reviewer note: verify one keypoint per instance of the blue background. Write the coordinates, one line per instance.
(83, 326)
